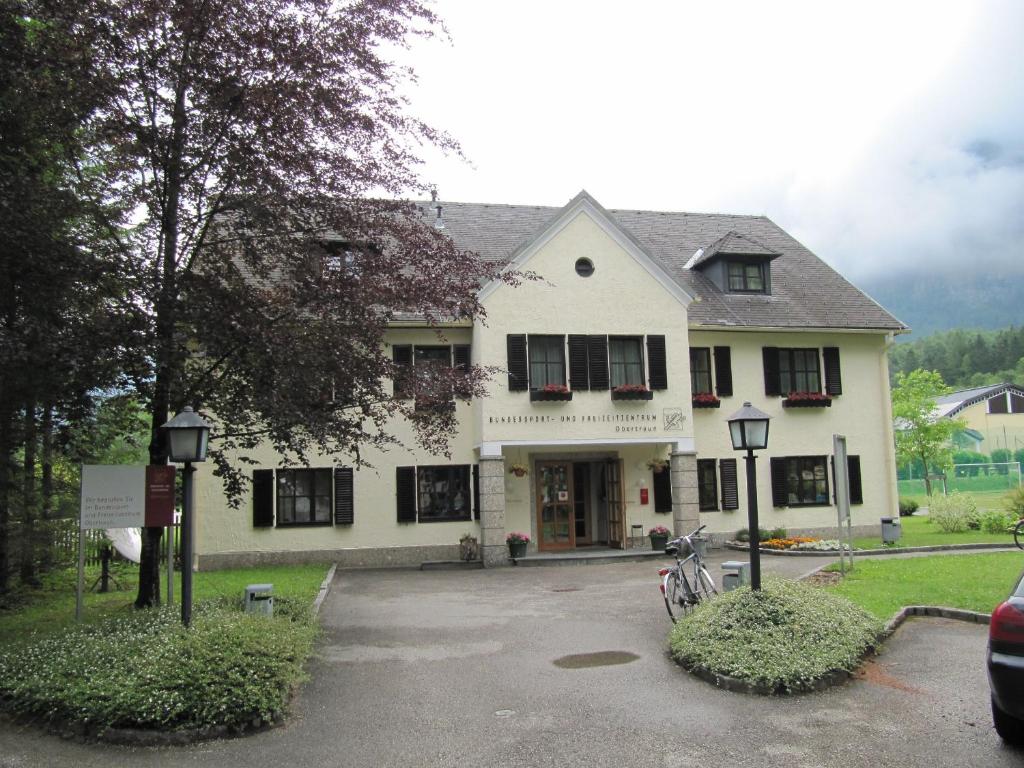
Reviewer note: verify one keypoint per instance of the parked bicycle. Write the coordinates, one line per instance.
(1018, 534)
(683, 592)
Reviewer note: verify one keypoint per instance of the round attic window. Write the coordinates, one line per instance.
(584, 267)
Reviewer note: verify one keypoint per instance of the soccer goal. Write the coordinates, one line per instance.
(994, 477)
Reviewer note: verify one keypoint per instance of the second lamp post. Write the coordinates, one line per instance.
(748, 428)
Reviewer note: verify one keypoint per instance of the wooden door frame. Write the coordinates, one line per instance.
(621, 541)
(541, 546)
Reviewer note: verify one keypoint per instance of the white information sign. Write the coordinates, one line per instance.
(113, 496)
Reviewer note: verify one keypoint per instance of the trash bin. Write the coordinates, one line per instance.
(259, 598)
(891, 531)
(737, 574)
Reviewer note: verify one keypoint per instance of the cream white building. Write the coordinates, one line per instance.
(646, 332)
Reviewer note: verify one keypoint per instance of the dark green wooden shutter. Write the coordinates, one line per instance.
(772, 385)
(344, 503)
(597, 350)
(663, 490)
(263, 498)
(856, 489)
(656, 362)
(780, 496)
(476, 491)
(723, 371)
(579, 373)
(405, 494)
(833, 374)
(518, 380)
(402, 356)
(461, 356)
(730, 485)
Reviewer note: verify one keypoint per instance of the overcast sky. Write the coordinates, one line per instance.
(882, 135)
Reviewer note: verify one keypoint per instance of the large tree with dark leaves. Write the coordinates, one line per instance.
(264, 144)
(65, 308)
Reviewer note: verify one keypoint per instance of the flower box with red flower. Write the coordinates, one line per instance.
(807, 400)
(551, 393)
(706, 400)
(631, 392)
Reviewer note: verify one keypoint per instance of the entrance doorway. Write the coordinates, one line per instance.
(579, 503)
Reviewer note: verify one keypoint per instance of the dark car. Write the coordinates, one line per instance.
(1006, 665)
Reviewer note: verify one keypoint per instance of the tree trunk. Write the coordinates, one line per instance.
(927, 480)
(46, 532)
(27, 565)
(6, 428)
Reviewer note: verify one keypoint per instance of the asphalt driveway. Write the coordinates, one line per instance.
(459, 669)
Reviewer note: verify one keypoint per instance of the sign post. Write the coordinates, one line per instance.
(842, 478)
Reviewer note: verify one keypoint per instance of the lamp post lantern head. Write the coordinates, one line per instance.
(748, 428)
(187, 435)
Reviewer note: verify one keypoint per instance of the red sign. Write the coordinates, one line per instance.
(643, 496)
(159, 496)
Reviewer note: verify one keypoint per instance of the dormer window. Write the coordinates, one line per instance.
(736, 264)
(746, 277)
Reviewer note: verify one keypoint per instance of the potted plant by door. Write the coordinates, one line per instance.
(659, 537)
(517, 544)
(519, 470)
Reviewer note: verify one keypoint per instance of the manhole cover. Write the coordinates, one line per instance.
(597, 659)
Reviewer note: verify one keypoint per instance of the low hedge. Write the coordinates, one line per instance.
(785, 638)
(143, 670)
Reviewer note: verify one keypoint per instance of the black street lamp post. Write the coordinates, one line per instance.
(188, 435)
(748, 428)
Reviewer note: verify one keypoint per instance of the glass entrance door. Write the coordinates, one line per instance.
(616, 504)
(555, 518)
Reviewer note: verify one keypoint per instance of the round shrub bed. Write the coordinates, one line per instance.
(787, 638)
(143, 670)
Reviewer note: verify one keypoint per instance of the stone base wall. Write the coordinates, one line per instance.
(383, 557)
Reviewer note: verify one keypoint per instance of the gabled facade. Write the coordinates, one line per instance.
(994, 416)
(645, 332)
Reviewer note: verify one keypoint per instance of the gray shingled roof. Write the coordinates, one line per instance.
(806, 292)
(733, 244)
(951, 404)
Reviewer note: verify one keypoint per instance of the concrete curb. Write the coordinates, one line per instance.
(325, 587)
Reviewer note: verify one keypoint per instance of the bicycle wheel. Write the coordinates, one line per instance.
(705, 584)
(1018, 534)
(676, 596)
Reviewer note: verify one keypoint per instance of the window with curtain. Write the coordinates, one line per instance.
(700, 370)
(547, 360)
(799, 371)
(625, 361)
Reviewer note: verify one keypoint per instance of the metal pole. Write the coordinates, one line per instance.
(79, 598)
(755, 536)
(186, 546)
(170, 564)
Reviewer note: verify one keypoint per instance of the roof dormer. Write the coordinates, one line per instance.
(736, 264)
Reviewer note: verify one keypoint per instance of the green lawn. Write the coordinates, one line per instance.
(976, 582)
(919, 531)
(53, 606)
(988, 492)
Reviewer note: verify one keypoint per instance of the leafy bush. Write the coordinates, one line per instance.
(995, 521)
(763, 534)
(954, 513)
(1014, 503)
(908, 507)
(144, 670)
(783, 638)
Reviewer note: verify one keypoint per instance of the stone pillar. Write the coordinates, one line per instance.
(493, 549)
(685, 503)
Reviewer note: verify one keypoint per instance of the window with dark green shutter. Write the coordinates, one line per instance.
(405, 494)
(518, 380)
(579, 372)
(833, 374)
(402, 357)
(263, 498)
(344, 502)
(723, 371)
(707, 485)
(304, 496)
(657, 362)
(662, 482)
(856, 488)
(730, 486)
(597, 351)
(779, 496)
(547, 360)
(770, 357)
